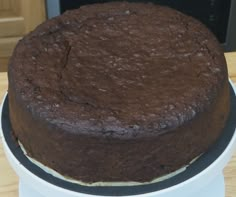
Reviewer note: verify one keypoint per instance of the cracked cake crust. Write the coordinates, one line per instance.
(98, 90)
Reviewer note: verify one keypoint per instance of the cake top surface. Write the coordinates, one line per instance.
(118, 70)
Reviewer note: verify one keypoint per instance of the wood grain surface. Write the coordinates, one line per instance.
(17, 18)
(9, 180)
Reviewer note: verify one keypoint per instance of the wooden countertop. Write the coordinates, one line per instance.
(9, 180)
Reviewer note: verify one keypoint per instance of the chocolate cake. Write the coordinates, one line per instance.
(118, 92)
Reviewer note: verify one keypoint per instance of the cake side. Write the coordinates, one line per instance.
(115, 160)
(108, 86)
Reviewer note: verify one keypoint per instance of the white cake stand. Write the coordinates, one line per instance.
(215, 188)
(207, 183)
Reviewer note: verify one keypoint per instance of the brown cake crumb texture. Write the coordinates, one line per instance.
(118, 92)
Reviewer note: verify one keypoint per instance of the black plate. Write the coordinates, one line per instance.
(199, 165)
